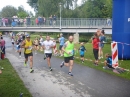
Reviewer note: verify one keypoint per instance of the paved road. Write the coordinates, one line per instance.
(87, 82)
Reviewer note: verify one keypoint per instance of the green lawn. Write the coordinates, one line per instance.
(89, 55)
(10, 83)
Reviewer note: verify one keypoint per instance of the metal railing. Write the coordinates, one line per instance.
(65, 22)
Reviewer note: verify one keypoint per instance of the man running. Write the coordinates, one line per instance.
(27, 44)
(62, 41)
(68, 49)
(48, 46)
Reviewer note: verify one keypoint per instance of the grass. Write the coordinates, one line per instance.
(10, 83)
(89, 55)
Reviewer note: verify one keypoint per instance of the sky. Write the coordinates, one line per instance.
(17, 3)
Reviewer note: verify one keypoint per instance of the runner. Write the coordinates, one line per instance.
(36, 43)
(18, 49)
(55, 52)
(40, 42)
(95, 43)
(82, 50)
(48, 46)
(27, 44)
(12, 40)
(68, 49)
(62, 41)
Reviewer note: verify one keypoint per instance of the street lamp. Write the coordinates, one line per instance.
(60, 14)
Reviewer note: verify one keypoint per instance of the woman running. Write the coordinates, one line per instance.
(36, 43)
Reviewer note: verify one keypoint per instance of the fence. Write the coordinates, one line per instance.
(65, 22)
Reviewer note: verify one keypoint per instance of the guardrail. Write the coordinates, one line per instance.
(65, 22)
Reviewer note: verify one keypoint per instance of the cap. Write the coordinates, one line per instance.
(27, 35)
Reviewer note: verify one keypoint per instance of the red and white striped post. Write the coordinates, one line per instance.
(114, 54)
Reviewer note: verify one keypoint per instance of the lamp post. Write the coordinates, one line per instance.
(60, 14)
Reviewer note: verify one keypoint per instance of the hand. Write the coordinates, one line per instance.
(26, 47)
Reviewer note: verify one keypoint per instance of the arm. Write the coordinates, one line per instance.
(23, 45)
(63, 48)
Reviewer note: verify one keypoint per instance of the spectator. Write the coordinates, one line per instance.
(54, 20)
(3, 22)
(95, 43)
(82, 50)
(36, 21)
(2, 43)
(101, 44)
(108, 62)
(50, 20)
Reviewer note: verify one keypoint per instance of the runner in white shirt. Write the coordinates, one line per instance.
(40, 42)
(48, 47)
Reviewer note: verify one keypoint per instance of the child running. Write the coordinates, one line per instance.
(82, 50)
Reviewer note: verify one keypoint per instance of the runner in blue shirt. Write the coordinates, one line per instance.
(61, 41)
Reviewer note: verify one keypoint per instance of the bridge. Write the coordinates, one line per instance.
(66, 25)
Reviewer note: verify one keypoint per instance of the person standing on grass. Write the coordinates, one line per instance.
(48, 46)
(61, 41)
(101, 44)
(68, 49)
(27, 44)
(2, 43)
(82, 50)
(95, 43)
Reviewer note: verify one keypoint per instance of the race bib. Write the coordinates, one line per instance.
(47, 47)
(30, 48)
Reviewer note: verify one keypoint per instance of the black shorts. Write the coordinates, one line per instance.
(36, 45)
(13, 43)
(28, 55)
(60, 47)
(95, 52)
(48, 55)
(67, 59)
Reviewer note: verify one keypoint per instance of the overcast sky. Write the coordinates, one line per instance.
(17, 3)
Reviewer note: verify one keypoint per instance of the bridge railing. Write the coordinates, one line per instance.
(65, 22)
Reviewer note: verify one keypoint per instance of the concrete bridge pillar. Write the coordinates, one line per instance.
(76, 37)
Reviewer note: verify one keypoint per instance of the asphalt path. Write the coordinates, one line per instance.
(86, 82)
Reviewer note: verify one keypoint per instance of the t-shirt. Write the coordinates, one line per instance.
(109, 60)
(47, 45)
(41, 40)
(12, 40)
(82, 49)
(96, 43)
(62, 40)
(102, 38)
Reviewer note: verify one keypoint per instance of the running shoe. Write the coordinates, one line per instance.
(51, 69)
(25, 64)
(62, 64)
(70, 74)
(99, 58)
(31, 70)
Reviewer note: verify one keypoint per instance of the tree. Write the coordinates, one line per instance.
(21, 12)
(8, 11)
